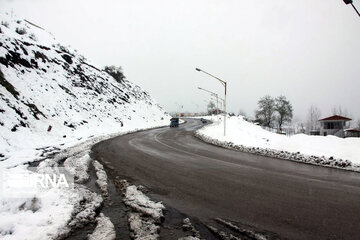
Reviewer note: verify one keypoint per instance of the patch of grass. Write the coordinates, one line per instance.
(5, 24)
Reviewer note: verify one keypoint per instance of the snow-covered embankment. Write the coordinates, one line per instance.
(248, 137)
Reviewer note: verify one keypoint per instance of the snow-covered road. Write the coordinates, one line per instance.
(252, 192)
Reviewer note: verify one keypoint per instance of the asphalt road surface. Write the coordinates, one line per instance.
(293, 200)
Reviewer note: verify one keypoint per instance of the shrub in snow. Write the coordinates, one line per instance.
(5, 24)
(63, 48)
(33, 37)
(20, 30)
(115, 72)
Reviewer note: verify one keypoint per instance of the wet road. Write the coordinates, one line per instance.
(293, 200)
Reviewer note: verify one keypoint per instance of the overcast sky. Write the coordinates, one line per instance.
(304, 49)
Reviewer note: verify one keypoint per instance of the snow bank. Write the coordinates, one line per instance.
(104, 229)
(248, 137)
(79, 166)
(101, 177)
(145, 215)
(49, 213)
(143, 228)
(141, 203)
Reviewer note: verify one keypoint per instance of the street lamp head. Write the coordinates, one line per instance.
(198, 69)
(200, 88)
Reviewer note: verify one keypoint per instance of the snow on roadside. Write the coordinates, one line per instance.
(53, 213)
(141, 203)
(49, 213)
(146, 215)
(79, 166)
(104, 229)
(101, 177)
(142, 228)
(248, 137)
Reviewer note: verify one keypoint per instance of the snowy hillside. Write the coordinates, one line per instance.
(322, 150)
(54, 105)
(50, 94)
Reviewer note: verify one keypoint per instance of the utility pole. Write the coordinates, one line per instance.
(225, 86)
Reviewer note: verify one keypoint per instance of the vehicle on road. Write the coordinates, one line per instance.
(174, 122)
(203, 120)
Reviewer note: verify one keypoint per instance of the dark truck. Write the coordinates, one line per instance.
(174, 122)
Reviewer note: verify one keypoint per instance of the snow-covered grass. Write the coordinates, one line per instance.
(249, 137)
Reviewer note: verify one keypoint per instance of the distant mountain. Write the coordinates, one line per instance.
(50, 93)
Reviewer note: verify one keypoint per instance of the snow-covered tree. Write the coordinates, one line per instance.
(284, 109)
(265, 114)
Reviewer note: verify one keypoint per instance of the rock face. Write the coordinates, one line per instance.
(44, 85)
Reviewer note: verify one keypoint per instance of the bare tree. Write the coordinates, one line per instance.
(313, 117)
(339, 110)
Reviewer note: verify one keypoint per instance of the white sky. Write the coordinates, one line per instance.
(304, 49)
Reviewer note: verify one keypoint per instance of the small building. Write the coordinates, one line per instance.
(352, 133)
(334, 125)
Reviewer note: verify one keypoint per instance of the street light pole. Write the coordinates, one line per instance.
(351, 3)
(225, 86)
(213, 94)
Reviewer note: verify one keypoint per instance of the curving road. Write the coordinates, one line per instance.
(293, 200)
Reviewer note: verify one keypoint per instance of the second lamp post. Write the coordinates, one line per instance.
(224, 84)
